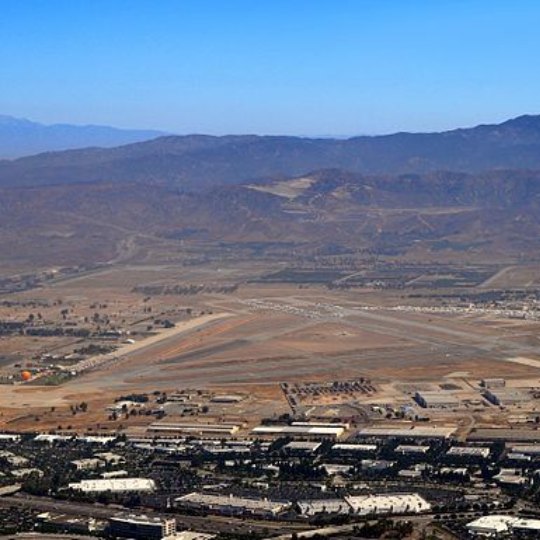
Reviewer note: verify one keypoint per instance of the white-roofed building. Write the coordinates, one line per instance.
(354, 447)
(388, 503)
(8, 437)
(411, 449)
(114, 485)
(495, 526)
(410, 432)
(307, 431)
(313, 507)
(469, 451)
(303, 446)
(231, 505)
(332, 469)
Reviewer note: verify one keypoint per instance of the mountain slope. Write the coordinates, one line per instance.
(198, 161)
(493, 214)
(21, 137)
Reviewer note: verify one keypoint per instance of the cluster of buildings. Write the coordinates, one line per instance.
(503, 526)
(368, 504)
(490, 391)
(130, 526)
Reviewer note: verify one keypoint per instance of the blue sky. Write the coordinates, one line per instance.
(308, 67)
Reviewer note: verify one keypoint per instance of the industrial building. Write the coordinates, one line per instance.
(436, 399)
(493, 382)
(505, 397)
(114, 485)
(142, 527)
(226, 398)
(504, 434)
(231, 505)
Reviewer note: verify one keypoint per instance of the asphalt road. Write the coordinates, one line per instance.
(208, 523)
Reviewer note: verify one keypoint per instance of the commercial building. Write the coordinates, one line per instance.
(410, 473)
(496, 526)
(88, 464)
(354, 447)
(26, 472)
(90, 439)
(304, 447)
(110, 458)
(8, 437)
(511, 477)
(142, 527)
(333, 469)
(376, 464)
(399, 503)
(304, 431)
(527, 449)
(114, 485)
(469, 451)
(411, 449)
(62, 523)
(411, 432)
(203, 430)
(343, 425)
(437, 400)
(231, 505)
(313, 507)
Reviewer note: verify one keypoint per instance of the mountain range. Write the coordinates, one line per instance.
(22, 137)
(469, 194)
(199, 161)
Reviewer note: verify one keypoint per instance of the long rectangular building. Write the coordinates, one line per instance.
(142, 527)
(303, 431)
(231, 505)
(114, 485)
(504, 434)
(398, 503)
(412, 432)
(188, 428)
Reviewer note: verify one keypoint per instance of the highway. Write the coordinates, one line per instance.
(209, 523)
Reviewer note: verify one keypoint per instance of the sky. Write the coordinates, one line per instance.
(302, 67)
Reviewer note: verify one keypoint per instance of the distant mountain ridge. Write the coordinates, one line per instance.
(22, 137)
(200, 161)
